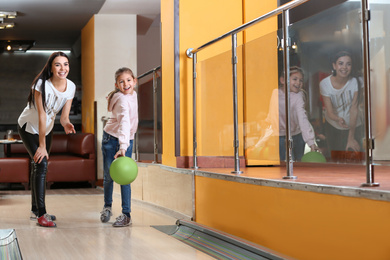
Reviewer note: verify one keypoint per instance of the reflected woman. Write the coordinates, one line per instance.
(340, 91)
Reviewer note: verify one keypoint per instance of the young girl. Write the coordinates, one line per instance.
(340, 92)
(51, 91)
(300, 127)
(117, 140)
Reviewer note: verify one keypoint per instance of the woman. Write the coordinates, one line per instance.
(340, 93)
(51, 91)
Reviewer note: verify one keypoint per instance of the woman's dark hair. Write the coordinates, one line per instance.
(44, 75)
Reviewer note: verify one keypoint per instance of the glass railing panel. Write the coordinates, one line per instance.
(333, 86)
(261, 111)
(215, 121)
(146, 132)
(379, 33)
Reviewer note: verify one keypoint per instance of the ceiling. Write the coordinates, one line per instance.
(57, 24)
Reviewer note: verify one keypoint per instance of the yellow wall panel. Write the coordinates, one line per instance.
(167, 64)
(200, 22)
(303, 225)
(88, 78)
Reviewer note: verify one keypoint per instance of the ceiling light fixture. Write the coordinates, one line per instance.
(4, 25)
(16, 46)
(10, 15)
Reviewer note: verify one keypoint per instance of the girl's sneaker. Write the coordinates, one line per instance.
(122, 221)
(45, 221)
(105, 215)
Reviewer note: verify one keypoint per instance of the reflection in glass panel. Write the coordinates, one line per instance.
(328, 47)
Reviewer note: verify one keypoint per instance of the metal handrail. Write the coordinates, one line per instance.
(149, 72)
(155, 115)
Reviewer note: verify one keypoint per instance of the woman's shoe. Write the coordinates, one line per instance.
(45, 221)
(34, 216)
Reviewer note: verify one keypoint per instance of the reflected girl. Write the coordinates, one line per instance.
(301, 130)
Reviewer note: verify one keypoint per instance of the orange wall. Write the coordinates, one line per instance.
(167, 64)
(300, 224)
(88, 76)
(200, 22)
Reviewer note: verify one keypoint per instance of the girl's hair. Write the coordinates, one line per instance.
(119, 72)
(44, 75)
(339, 55)
(295, 69)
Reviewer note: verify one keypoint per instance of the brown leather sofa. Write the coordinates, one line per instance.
(72, 159)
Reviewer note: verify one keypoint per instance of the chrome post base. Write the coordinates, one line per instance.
(370, 184)
(290, 177)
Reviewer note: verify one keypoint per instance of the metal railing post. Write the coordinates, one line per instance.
(235, 105)
(369, 142)
(195, 142)
(155, 141)
(192, 55)
(286, 64)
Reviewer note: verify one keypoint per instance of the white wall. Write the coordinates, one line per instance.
(115, 47)
(149, 48)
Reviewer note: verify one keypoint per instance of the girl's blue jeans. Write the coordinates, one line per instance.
(110, 146)
(298, 148)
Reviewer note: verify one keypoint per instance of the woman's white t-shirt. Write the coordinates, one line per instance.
(55, 101)
(341, 100)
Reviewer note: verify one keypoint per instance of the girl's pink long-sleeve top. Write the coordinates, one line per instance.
(123, 122)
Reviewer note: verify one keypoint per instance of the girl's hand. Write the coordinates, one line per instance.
(40, 154)
(314, 148)
(121, 152)
(69, 128)
(352, 145)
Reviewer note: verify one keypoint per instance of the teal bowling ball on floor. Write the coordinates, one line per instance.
(316, 157)
(123, 170)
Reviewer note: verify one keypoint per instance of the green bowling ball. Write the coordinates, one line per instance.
(123, 170)
(316, 157)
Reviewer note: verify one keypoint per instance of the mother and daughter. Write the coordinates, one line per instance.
(340, 92)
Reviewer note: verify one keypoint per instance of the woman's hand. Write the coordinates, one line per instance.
(342, 123)
(69, 128)
(40, 154)
(352, 144)
(121, 152)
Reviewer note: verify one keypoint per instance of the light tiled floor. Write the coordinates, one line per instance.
(81, 235)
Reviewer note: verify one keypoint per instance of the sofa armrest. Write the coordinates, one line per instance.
(82, 144)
